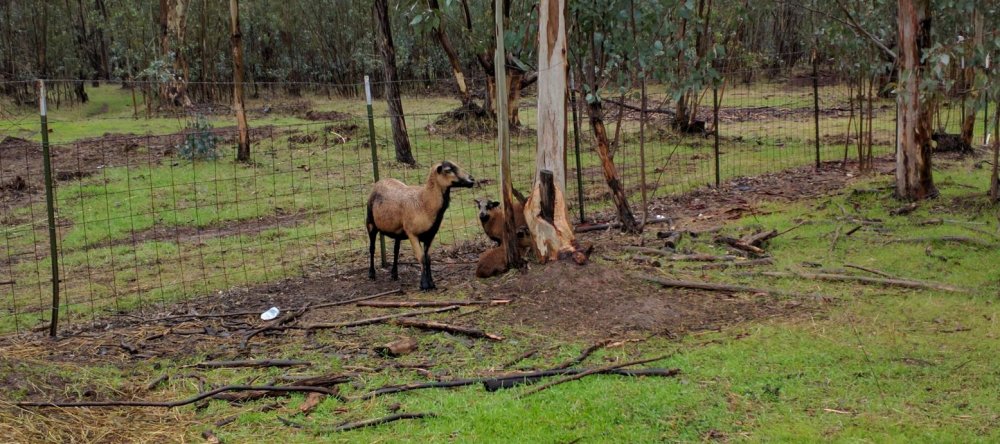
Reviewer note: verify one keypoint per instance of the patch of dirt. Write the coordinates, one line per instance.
(602, 300)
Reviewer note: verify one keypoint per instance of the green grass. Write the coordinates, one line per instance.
(874, 364)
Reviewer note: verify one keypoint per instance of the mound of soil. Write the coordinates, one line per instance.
(599, 300)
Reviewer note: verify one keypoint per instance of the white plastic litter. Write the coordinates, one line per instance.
(270, 314)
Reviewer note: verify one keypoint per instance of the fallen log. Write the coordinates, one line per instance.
(414, 304)
(739, 245)
(758, 239)
(646, 260)
(438, 326)
(905, 283)
(670, 238)
(251, 363)
(579, 375)
(178, 403)
(378, 319)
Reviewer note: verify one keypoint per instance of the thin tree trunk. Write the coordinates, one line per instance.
(596, 113)
(914, 179)
(968, 80)
(243, 144)
(995, 178)
(384, 36)
(449, 50)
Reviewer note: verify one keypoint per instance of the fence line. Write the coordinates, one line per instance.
(137, 224)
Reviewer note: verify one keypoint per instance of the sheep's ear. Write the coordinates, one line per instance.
(492, 204)
(444, 168)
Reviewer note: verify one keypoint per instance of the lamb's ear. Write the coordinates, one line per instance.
(445, 167)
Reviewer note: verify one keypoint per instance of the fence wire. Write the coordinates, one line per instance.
(142, 222)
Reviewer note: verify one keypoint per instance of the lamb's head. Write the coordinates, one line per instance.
(448, 174)
(488, 209)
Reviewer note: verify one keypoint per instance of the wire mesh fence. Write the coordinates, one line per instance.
(151, 207)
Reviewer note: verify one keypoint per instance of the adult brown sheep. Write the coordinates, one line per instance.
(400, 211)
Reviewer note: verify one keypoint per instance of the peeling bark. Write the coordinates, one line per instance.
(913, 153)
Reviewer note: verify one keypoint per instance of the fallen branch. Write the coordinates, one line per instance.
(249, 313)
(379, 319)
(758, 239)
(738, 264)
(712, 287)
(493, 383)
(251, 363)
(359, 424)
(413, 304)
(669, 255)
(179, 403)
(739, 244)
(836, 237)
(574, 377)
(438, 326)
(870, 270)
(280, 323)
(905, 283)
(955, 239)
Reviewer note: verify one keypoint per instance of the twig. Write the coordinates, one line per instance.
(179, 403)
(669, 255)
(520, 358)
(152, 384)
(870, 270)
(413, 304)
(836, 238)
(359, 424)
(251, 363)
(591, 372)
(583, 355)
(379, 319)
(905, 283)
(430, 325)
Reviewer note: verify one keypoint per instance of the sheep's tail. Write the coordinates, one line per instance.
(370, 217)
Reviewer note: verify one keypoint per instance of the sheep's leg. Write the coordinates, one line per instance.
(371, 253)
(426, 280)
(395, 259)
(418, 253)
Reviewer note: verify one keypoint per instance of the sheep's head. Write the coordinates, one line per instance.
(447, 174)
(487, 209)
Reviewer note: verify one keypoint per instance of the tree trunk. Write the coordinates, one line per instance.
(596, 113)
(243, 144)
(995, 177)
(512, 249)
(103, 67)
(399, 136)
(456, 64)
(173, 26)
(545, 210)
(913, 153)
(968, 80)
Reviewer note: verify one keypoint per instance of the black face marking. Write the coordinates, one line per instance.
(492, 204)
